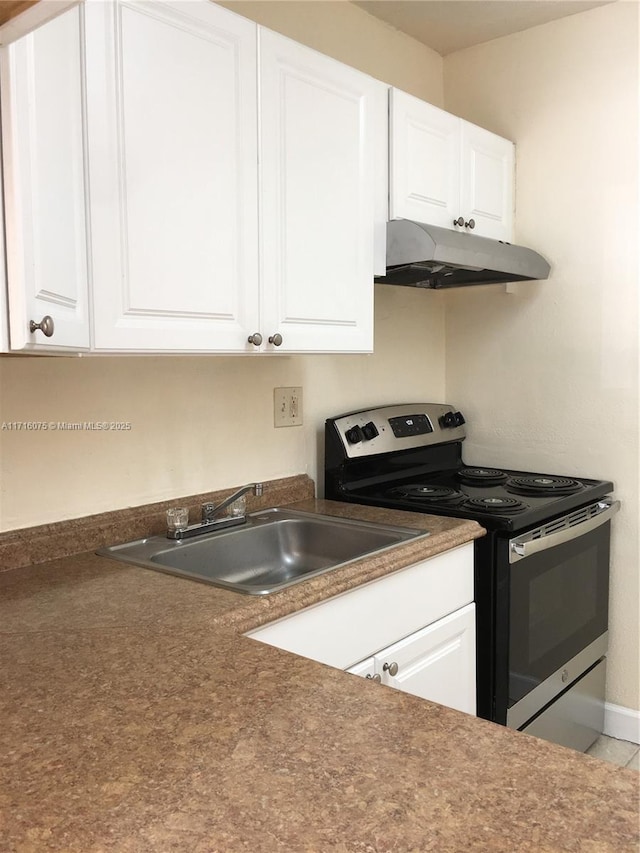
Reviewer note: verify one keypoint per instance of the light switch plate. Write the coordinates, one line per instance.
(287, 407)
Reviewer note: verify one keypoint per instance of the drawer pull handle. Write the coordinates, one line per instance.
(391, 668)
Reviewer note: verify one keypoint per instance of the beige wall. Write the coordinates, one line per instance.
(197, 423)
(341, 30)
(207, 423)
(549, 374)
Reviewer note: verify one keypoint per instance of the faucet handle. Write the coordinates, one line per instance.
(208, 510)
(177, 519)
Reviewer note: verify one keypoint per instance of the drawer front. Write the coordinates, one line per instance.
(345, 629)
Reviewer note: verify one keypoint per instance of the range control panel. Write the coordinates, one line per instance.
(400, 427)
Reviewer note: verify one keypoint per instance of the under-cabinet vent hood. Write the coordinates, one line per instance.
(422, 255)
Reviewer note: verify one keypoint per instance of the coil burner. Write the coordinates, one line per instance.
(495, 504)
(542, 485)
(427, 494)
(481, 476)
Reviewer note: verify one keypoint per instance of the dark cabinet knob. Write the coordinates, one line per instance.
(470, 224)
(459, 221)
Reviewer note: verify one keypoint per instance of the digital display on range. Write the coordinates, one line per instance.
(410, 425)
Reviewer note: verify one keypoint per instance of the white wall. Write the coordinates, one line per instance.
(549, 374)
(207, 423)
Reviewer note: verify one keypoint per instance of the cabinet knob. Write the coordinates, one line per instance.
(255, 339)
(391, 668)
(45, 326)
(377, 677)
(459, 221)
(276, 339)
(470, 224)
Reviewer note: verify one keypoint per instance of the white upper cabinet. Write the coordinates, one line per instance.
(447, 171)
(225, 196)
(44, 186)
(487, 186)
(318, 124)
(424, 162)
(171, 97)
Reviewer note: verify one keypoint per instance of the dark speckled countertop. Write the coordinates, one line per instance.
(135, 717)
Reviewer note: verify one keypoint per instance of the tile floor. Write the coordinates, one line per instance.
(620, 752)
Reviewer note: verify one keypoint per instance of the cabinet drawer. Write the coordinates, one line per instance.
(353, 625)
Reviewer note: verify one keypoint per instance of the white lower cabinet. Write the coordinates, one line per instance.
(365, 669)
(438, 662)
(413, 630)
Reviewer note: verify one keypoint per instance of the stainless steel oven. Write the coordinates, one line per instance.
(541, 572)
(558, 597)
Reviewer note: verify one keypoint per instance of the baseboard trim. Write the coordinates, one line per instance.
(621, 723)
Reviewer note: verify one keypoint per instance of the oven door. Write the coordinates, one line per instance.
(558, 606)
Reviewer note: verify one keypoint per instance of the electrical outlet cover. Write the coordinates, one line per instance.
(287, 407)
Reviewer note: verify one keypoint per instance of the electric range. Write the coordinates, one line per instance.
(541, 573)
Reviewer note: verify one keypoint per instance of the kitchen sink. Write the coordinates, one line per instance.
(274, 549)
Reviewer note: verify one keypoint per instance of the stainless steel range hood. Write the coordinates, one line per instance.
(422, 255)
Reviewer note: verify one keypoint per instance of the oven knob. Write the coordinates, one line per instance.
(451, 419)
(354, 435)
(448, 420)
(370, 431)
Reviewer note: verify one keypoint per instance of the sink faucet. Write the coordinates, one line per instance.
(210, 513)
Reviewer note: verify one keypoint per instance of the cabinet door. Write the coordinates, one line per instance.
(318, 119)
(172, 130)
(487, 182)
(436, 663)
(365, 669)
(424, 162)
(44, 181)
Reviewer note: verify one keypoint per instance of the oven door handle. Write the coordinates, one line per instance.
(519, 548)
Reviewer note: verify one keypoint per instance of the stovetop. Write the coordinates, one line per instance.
(409, 456)
(497, 499)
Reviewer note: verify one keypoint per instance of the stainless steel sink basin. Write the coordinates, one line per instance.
(273, 550)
